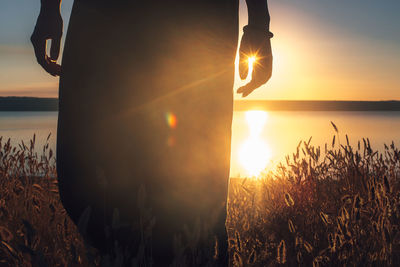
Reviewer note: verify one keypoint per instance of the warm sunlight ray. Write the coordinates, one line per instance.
(256, 120)
(254, 153)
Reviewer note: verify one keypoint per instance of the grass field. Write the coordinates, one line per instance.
(332, 206)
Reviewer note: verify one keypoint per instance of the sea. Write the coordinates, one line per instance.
(260, 138)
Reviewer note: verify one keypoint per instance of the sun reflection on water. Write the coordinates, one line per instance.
(255, 153)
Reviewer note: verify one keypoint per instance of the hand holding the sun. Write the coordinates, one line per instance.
(255, 43)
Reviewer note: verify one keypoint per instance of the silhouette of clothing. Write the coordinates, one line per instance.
(146, 100)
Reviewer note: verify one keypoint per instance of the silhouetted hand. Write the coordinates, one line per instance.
(49, 26)
(255, 43)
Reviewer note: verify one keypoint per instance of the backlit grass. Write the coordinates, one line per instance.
(332, 206)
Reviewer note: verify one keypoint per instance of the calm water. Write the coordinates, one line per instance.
(259, 139)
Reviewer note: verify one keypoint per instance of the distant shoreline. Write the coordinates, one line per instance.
(13, 103)
(313, 105)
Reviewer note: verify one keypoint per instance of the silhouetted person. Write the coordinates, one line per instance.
(146, 102)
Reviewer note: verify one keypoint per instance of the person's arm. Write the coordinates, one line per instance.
(49, 26)
(256, 43)
(258, 13)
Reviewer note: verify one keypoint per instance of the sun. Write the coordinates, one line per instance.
(254, 155)
(251, 60)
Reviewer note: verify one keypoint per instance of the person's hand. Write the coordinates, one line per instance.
(255, 43)
(49, 26)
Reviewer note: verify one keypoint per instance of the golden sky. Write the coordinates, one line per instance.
(325, 53)
(323, 50)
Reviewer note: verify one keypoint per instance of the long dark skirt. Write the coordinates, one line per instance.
(144, 125)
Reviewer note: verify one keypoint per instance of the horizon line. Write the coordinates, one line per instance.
(250, 100)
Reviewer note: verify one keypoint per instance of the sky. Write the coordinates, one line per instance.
(323, 50)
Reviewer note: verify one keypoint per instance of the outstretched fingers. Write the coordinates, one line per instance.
(248, 88)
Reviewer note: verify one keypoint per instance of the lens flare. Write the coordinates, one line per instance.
(171, 141)
(171, 119)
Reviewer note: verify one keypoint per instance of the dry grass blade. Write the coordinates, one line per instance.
(252, 257)
(291, 226)
(324, 218)
(9, 248)
(289, 200)
(281, 253)
(308, 247)
(335, 127)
